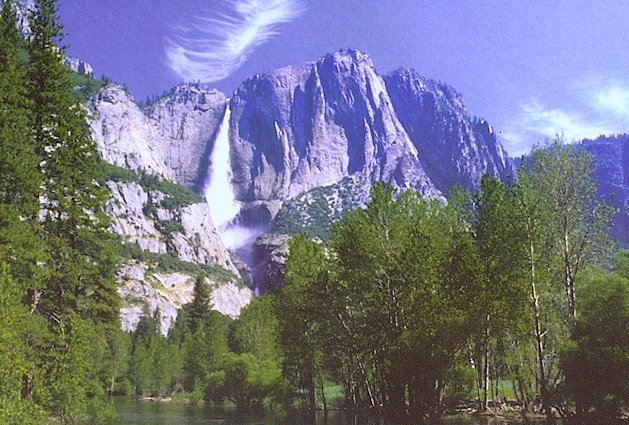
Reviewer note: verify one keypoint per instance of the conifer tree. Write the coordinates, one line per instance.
(76, 235)
(20, 246)
(19, 179)
(200, 306)
(15, 362)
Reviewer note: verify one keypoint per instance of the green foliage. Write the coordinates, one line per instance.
(152, 100)
(314, 212)
(202, 353)
(396, 283)
(75, 228)
(109, 172)
(199, 311)
(168, 227)
(596, 360)
(297, 318)
(256, 330)
(175, 195)
(169, 263)
(84, 86)
(248, 381)
(576, 222)
(15, 327)
(58, 285)
(195, 362)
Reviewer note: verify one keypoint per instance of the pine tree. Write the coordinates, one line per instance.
(64, 203)
(19, 178)
(20, 246)
(16, 323)
(200, 307)
(82, 257)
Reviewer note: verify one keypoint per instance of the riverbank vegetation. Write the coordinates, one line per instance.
(414, 305)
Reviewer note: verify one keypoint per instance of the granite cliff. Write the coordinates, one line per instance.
(166, 228)
(333, 123)
(313, 125)
(611, 157)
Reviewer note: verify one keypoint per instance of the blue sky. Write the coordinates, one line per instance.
(532, 69)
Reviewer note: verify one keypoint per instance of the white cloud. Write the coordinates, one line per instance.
(550, 122)
(602, 109)
(210, 49)
(614, 98)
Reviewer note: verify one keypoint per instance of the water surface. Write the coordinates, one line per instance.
(131, 412)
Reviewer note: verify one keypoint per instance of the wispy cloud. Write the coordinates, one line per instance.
(603, 108)
(614, 99)
(211, 48)
(549, 122)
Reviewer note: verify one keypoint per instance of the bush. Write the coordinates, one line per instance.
(248, 381)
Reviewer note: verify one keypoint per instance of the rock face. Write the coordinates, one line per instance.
(306, 143)
(125, 136)
(22, 9)
(312, 138)
(169, 291)
(269, 256)
(172, 139)
(314, 124)
(611, 156)
(302, 127)
(453, 148)
(186, 231)
(173, 245)
(189, 119)
(79, 66)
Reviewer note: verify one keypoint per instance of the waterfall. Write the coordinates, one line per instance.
(219, 193)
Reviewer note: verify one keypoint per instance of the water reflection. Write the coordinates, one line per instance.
(130, 412)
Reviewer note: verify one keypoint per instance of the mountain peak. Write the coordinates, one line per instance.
(419, 83)
(348, 54)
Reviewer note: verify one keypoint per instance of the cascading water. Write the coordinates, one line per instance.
(219, 193)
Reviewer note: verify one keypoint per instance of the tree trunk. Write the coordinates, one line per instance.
(541, 375)
(569, 278)
(28, 384)
(113, 380)
(323, 400)
(485, 369)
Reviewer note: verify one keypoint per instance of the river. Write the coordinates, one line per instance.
(130, 412)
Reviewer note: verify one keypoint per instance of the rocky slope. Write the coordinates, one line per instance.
(611, 156)
(168, 238)
(141, 284)
(188, 119)
(453, 148)
(171, 139)
(311, 125)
